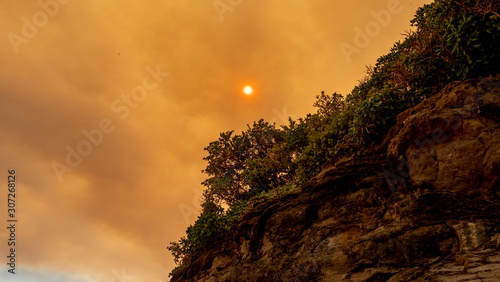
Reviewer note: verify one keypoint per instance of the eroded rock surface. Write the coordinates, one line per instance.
(424, 207)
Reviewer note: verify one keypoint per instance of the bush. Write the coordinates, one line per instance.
(278, 192)
(211, 227)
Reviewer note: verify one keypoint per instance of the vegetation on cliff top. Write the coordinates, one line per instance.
(452, 40)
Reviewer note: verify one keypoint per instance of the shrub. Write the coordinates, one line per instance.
(211, 227)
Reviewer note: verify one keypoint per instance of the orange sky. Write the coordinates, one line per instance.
(136, 91)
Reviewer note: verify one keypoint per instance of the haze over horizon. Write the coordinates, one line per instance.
(107, 107)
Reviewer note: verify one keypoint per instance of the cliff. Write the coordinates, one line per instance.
(424, 205)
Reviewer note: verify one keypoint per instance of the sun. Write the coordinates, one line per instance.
(248, 90)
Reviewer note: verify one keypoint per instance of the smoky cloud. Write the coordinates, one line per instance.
(138, 188)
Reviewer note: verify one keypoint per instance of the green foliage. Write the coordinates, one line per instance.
(325, 129)
(451, 40)
(235, 212)
(329, 105)
(230, 158)
(278, 192)
(460, 39)
(210, 228)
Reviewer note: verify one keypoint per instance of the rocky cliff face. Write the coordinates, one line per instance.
(422, 206)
